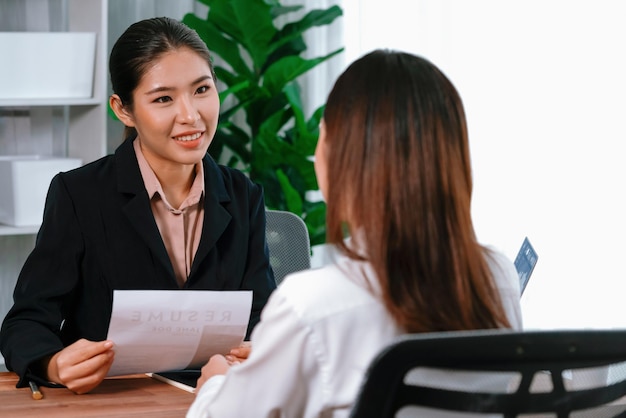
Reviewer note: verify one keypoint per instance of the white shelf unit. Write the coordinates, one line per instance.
(64, 127)
(22, 103)
(8, 230)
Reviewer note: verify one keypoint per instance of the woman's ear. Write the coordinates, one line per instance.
(122, 113)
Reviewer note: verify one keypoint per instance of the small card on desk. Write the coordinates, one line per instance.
(525, 263)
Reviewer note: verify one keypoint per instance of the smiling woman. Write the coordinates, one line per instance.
(158, 214)
(174, 111)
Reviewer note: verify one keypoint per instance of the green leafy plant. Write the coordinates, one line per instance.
(276, 143)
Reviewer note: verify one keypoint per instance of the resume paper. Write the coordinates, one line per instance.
(160, 330)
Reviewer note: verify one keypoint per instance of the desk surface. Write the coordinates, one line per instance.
(129, 396)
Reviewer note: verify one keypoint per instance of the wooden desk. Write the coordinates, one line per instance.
(131, 396)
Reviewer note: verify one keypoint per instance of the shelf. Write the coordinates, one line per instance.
(18, 230)
(62, 126)
(9, 103)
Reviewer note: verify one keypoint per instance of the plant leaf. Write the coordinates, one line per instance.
(288, 69)
(315, 220)
(304, 135)
(293, 199)
(279, 10)
(318, 17)
(234, 89)
(248, 22)
(236, 140)
(218, 44)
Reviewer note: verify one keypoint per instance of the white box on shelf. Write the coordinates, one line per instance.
(47, 65)
(24, 183)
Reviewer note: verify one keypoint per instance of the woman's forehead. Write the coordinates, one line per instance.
(178, 67)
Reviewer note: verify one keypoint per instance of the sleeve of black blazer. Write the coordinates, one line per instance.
(30, 329)
(258, 275)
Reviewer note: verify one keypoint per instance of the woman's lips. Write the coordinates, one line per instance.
(189, 140)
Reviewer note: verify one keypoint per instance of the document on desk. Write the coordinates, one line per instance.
(159, 330)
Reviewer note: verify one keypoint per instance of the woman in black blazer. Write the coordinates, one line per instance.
(100, 232)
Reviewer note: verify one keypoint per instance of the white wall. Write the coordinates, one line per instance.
(544, 86)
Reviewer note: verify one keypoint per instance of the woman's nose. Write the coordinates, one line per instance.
(187, 112)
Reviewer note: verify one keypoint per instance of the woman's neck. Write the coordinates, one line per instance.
(176, 181)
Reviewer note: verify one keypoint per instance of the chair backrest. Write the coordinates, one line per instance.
(498, 373)
(288, 242)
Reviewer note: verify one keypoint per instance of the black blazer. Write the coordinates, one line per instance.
(98, 234)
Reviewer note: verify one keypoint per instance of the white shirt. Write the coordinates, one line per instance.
(318, 334)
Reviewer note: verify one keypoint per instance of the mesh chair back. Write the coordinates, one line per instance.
(561, 373)
(288, 242)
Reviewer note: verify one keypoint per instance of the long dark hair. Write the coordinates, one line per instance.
(398, 156)
(143, 43)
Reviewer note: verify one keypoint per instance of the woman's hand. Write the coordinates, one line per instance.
(239, 354)
(81, 366)
(217, 364)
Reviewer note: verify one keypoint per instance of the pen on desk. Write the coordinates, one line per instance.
(36, 393)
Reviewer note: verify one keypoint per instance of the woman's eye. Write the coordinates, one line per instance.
(202, 89)
(163, 99)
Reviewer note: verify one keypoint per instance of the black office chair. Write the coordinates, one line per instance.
(561, 373)
(288, 242)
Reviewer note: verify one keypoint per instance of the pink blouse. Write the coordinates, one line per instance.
(180, 227)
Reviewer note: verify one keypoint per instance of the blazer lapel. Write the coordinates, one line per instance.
(216, 217)
(138, 209)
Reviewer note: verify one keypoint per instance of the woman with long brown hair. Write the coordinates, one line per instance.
(393, 164)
